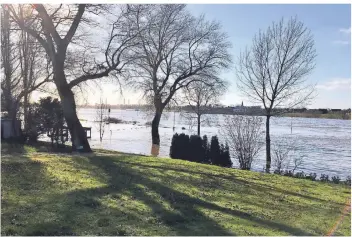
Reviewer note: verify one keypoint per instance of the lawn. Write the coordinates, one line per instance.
(111, 193)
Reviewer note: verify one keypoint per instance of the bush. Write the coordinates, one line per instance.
(348, 181)
(312, 176)
(243, 134)
(179, 146)
(288, 173)
(324, 178)
(280, 172)
(335, 179)
(206, 150)
(214, 151)
(195, 152)
(225, 160)
(174, 149)
(45, 116)
(300, 175)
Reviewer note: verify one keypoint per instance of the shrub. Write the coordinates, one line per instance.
(183, 146)
(324, 178)
(348, 181)
(214, 151)
(225, 160)
(206, 150)
(312, 176)
(280, 172)
(300, 175)
(45, 116)
(288, 173)
(195, 152)
(174, 149)
(243, 134)
(335, 179)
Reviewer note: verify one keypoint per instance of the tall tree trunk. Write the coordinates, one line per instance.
(78, 135)
(268, 153)
(198, 123)
(25, 112)
(155, 128)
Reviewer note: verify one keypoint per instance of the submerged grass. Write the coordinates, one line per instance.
(110, 193)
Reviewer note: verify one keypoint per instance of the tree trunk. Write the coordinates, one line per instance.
(198, 123)
(268, 154)
(155, 128)
(78, 135)
(26, 112)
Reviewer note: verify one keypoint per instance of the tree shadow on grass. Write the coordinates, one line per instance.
(76, 212)
(259, 187)
(183, 203)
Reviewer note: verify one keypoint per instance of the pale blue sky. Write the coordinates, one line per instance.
(331, 28)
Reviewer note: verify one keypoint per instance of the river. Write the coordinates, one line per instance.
(323, 144)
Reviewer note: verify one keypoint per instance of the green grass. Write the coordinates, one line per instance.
(107, 193)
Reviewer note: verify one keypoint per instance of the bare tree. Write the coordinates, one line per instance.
(24, 67)
(281, 157)
(242, 133)
(274, 70)
(61, 26)
(198, 96)
(176, 49)
(101, 118)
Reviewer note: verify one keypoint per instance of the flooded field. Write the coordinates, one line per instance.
(323, 144)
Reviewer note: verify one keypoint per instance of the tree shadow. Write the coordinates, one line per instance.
(267, 189)
(76, 210)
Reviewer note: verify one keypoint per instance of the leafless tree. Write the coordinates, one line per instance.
(62, 32)
(198, 96)
(274, 70)
(24, 67)
(101, 117)
(242, 134)
(176, 50)
(281, 157)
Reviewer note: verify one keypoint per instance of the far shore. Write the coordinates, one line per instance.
(322, 116)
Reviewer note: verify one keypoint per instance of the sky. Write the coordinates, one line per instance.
(331, 29)
(329, 24)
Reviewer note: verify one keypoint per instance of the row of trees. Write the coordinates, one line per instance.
(160, 50)
(197, 149)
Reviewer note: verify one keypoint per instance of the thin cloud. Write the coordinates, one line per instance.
(342, 42)
(336, 84)
(345, 30)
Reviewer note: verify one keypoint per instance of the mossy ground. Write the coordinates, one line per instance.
(110, 193)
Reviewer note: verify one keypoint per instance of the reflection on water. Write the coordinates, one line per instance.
(325, 144)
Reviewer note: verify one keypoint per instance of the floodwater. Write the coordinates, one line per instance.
(323, 144)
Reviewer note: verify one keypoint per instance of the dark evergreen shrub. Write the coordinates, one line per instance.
(174, 149)
(183, 146)
(195, 152)
(214, 151)
(206, 150)
(225, 160)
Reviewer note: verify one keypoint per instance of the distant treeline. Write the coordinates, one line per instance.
(240, 110)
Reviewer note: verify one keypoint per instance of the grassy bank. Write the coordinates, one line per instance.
(325, 116)
(109, 193)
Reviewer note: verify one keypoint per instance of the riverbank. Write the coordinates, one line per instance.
(322, 116)
(111, 193)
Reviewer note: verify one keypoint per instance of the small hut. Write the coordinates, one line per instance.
(9, 128)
